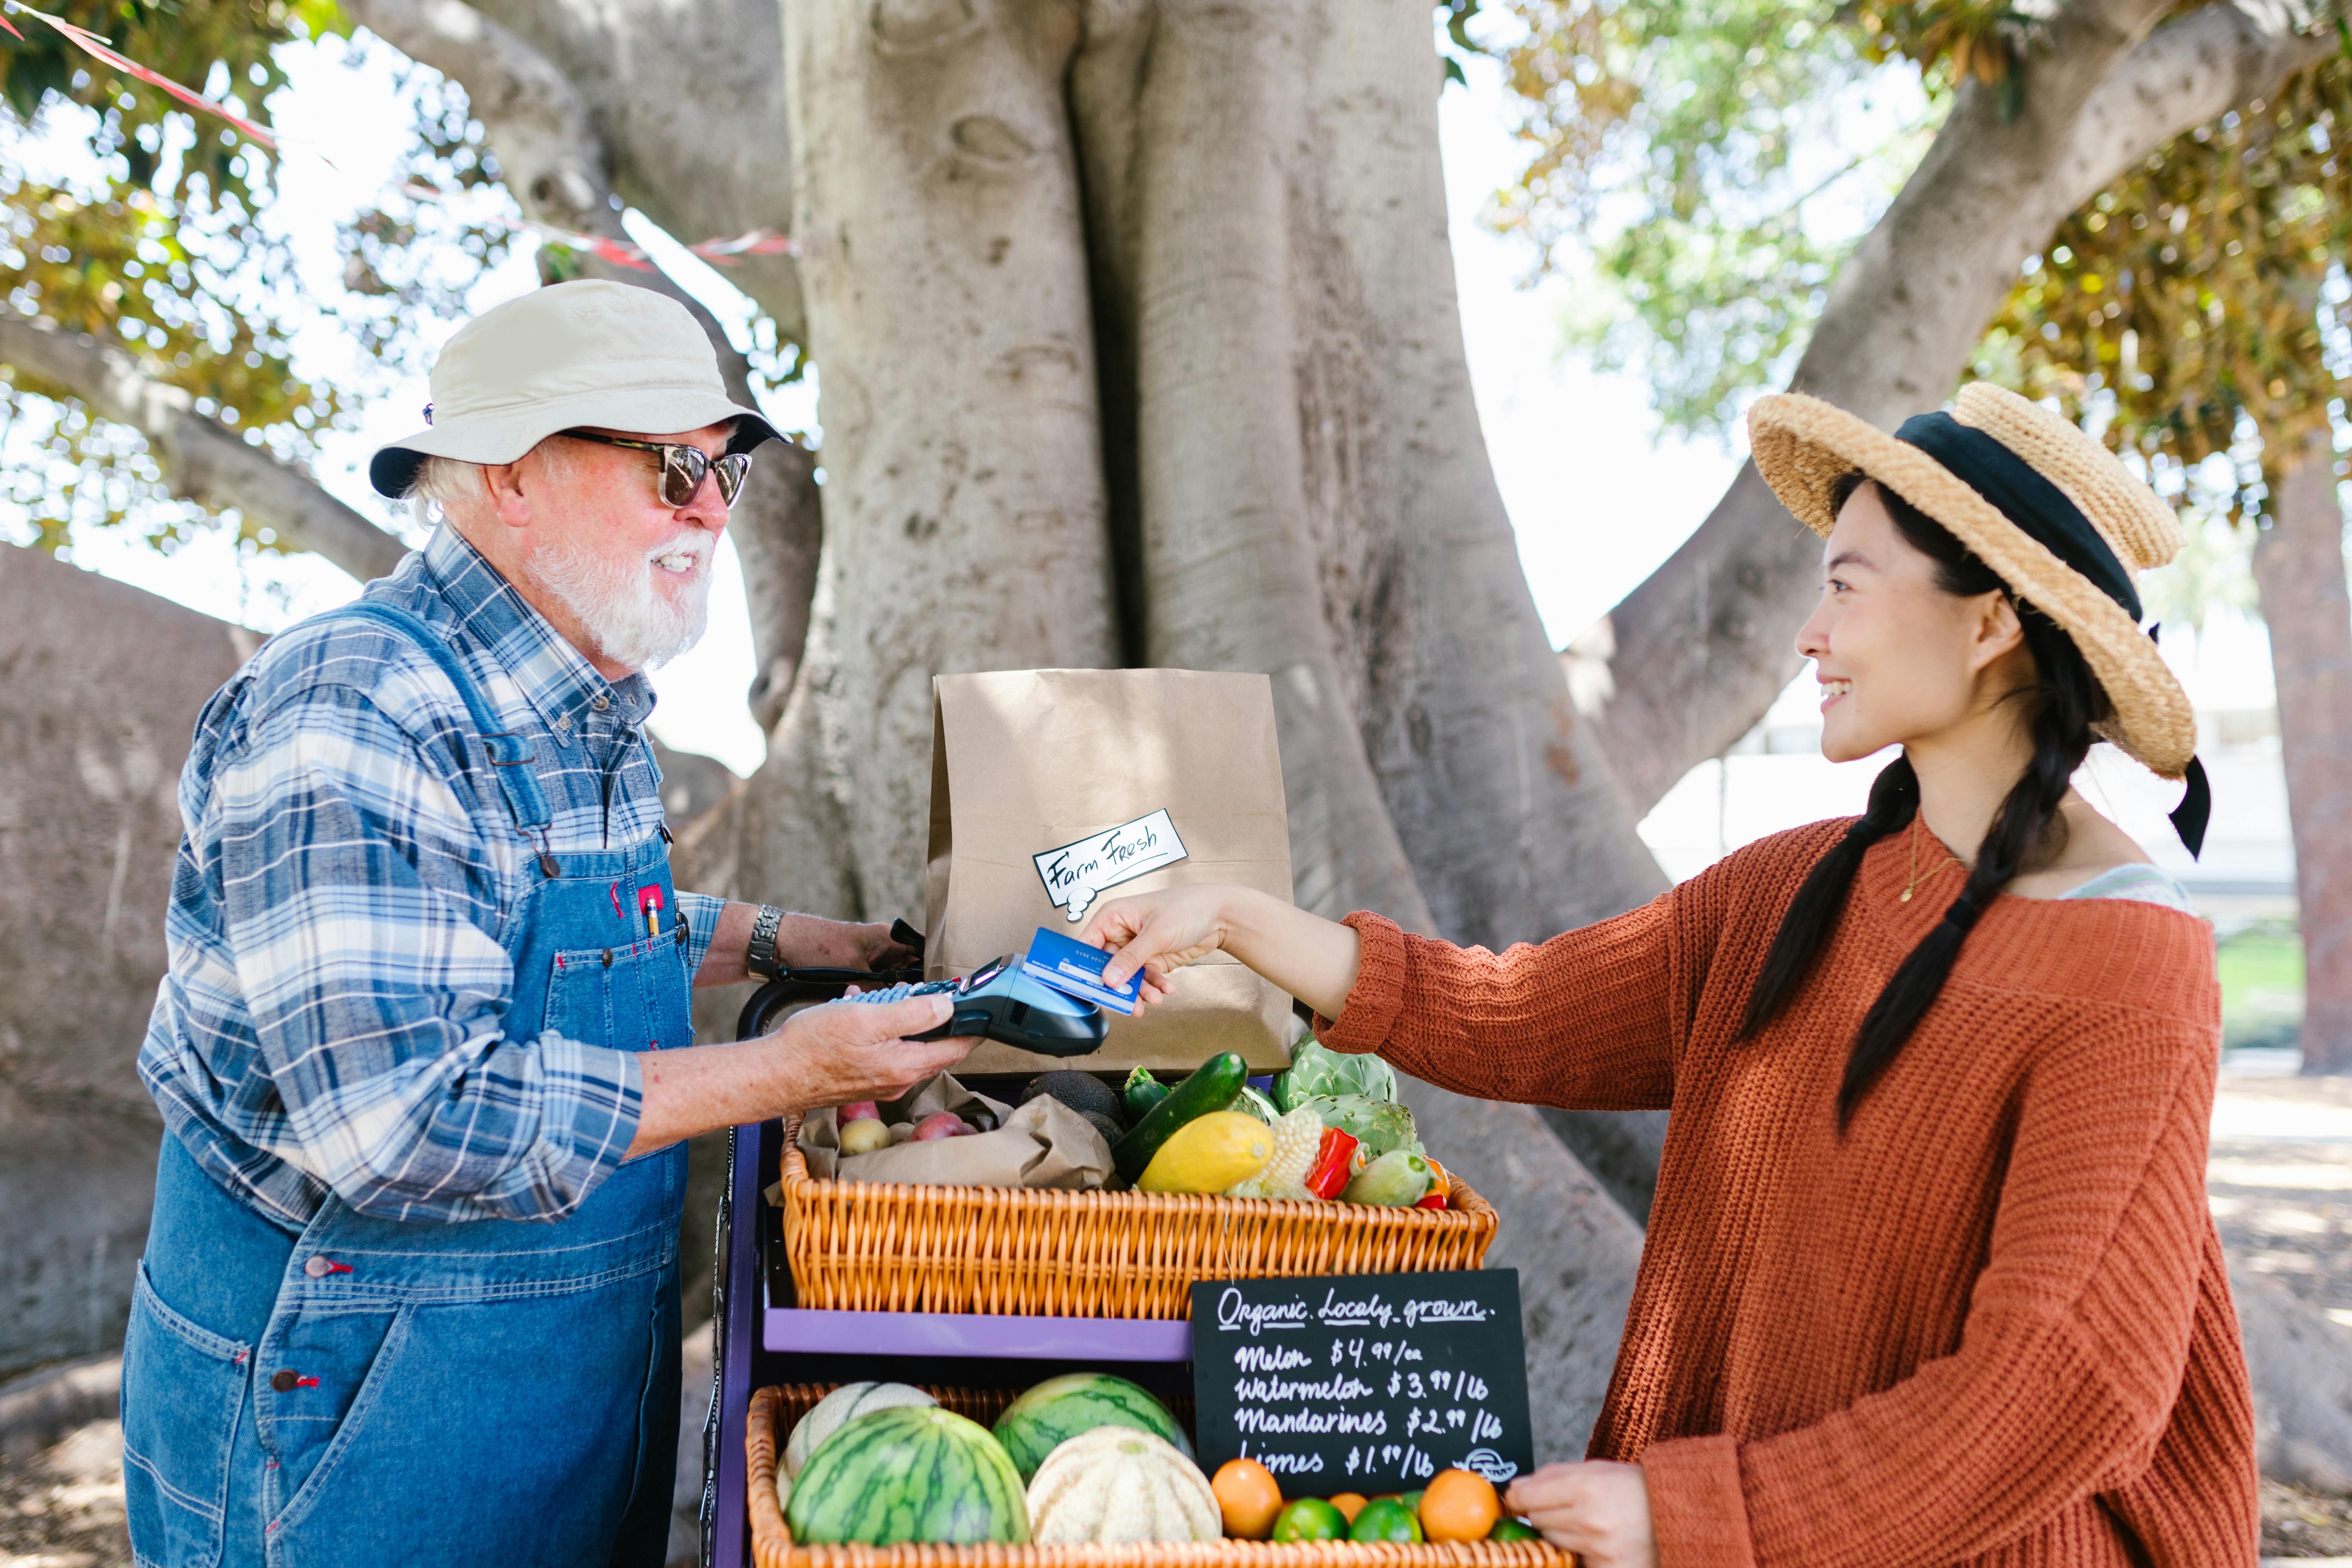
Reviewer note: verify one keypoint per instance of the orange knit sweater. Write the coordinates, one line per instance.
(1987, 1326)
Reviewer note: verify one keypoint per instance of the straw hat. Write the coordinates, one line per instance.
(587, 352)
(2047, 507)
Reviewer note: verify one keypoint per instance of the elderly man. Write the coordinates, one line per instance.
(424, 1048)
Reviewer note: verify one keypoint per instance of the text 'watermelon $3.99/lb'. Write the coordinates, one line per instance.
(913, 1473)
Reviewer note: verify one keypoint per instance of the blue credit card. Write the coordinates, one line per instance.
(1070, 966)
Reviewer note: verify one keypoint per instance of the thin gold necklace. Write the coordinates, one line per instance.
(1913, 886)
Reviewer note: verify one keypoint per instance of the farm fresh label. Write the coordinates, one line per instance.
(1075, 873)
(1363, 1382)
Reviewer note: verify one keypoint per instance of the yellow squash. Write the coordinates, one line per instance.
(1208, 1154)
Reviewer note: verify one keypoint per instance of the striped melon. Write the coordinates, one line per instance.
(1114, 1485)
(911, 1473)
(843, 1404)
(1060, 1408)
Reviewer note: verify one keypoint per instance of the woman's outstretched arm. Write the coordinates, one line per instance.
(1312, 958)
(1586, 1020)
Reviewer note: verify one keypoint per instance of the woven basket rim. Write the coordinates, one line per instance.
(1469, 1214)
(772, 1546)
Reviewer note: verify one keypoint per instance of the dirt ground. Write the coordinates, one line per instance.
(2296, 1524)
(2280, 1183)
(63, 1508)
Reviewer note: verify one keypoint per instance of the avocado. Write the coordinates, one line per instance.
(1081, 1091)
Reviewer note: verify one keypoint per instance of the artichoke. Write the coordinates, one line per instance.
(1256, 1104)
(1378, 1125)
(1398, 1179)
(1316, 1070)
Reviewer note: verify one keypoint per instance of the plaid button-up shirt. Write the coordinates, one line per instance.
(333, 1017)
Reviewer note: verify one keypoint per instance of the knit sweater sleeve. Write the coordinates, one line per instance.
(2069, 1364)
(1584, 1022)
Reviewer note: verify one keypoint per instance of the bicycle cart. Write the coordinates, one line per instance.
(977, 1292)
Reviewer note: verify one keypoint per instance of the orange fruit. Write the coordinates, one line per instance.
(1350, 1504)
(1249, 1498)
(1459, 1505)
(1440, 1182)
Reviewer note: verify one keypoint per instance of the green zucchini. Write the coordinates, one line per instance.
(1142, 1091)
(1214, 1085)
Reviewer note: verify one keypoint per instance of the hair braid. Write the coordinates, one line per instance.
(2066, 699)
(2025, 832)
(1813, 913)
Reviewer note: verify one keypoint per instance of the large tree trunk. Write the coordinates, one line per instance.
(1101, 374)
(2299, 569)
(689, 102)
(1703, 645)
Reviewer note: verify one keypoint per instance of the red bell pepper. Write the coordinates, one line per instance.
(1333, 1157)
(1440, 1189)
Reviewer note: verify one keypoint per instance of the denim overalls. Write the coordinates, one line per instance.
(373, 1392)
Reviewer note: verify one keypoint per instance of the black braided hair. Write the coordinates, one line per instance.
(2064, 699)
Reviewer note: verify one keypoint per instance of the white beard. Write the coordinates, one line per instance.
(616, 604)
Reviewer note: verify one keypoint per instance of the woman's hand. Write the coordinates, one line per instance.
(1313, 959)
(1157, 933)
(1597, 1510)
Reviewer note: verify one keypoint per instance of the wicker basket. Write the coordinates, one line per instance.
(889, 1246)
(774, 1411)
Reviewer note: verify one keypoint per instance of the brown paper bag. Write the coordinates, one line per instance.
(1044, 1144)
(1054, 789)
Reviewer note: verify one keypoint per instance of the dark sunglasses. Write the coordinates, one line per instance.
(682, 467)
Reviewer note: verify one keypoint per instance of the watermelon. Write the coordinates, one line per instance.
(911, 1473)
(844, 1404)
(1061, 1408)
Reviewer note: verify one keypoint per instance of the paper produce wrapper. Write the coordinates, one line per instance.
(1053, 789)
(1044, 1144)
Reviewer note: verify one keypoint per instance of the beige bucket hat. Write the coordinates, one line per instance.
(578, 354)
(2051, 512)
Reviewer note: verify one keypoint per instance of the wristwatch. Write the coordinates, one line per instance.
(760, 953)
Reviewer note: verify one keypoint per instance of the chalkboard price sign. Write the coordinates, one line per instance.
(1365, 1383)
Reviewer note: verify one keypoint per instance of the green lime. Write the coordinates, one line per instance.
(1311, 1518)
(1386, 1519)
(1509, 1529)
(1413, 1501)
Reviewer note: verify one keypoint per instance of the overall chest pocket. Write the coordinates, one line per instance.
(630, 998)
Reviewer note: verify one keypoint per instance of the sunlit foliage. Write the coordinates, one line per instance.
(2190, 306)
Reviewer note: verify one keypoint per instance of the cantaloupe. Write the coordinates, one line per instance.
(836, 1409)
(1115, 1484)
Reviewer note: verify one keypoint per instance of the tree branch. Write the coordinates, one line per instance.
(557, 164)
(203, 460)
(1703, 644)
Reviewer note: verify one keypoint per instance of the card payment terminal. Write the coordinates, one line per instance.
(999, 1001)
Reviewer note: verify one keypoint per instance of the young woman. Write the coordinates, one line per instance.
(1929, 1277)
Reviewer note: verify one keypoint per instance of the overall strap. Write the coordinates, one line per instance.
(510, 754)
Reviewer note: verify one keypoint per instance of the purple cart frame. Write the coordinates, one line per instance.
(760, 1339)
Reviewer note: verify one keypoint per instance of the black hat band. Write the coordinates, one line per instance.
(2025, 497)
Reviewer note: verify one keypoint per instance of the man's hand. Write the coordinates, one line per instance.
(806, 941)
(803, 942)
(841, 1052)
(1597, 1510)
(824, 1056)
